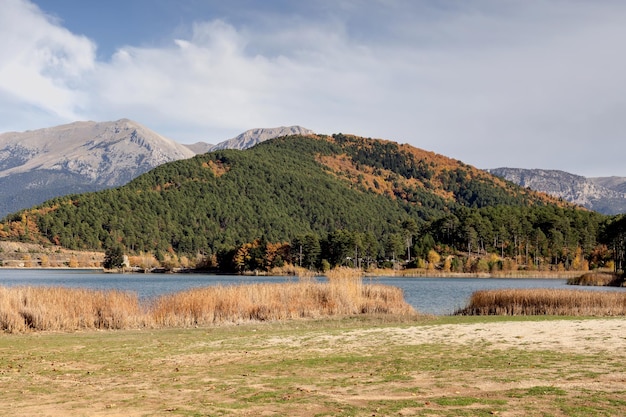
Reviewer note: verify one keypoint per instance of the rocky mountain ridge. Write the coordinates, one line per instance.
(36, 165)
(107, 153)
(613, 183)
(603, 194)
(249, 138)
(252, 137)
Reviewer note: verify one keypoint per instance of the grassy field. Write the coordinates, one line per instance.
(366, 366)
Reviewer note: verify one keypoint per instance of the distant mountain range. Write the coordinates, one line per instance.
(79, 157)
(606, 195)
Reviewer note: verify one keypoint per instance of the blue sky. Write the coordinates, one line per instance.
(532, 84)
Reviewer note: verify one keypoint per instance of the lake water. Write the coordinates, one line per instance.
(427, 295)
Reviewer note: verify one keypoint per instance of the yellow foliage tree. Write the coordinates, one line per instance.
(421, 263)
(433, 259)
(610, 265)
(242, 256)
(579, 260)
(28, 263)
(494, 262)
(273, 252)
(447, 264)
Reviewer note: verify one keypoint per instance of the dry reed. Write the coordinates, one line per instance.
(346, 286)
(64, 309)
(57, 308)
(261, 302)
(598, 279)
(558, 302)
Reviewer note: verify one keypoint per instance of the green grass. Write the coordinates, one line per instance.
(538, 391)
(342, 367)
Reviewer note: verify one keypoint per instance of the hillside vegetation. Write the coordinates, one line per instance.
(322, 201)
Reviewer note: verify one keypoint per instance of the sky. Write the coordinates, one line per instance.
(516, 83)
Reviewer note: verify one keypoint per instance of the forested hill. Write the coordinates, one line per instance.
(376, 195)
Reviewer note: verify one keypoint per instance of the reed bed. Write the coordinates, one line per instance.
(558, 302)
(57, 308)
(63, 309)
(598, 279)
(346, 286)
(285, 301)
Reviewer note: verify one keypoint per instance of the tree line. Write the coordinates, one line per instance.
(486, 240)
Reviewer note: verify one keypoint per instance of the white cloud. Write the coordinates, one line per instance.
(489, 82)
(204, 81)
(41, 63)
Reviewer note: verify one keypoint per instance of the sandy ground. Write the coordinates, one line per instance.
(561, 335)
(581, 336)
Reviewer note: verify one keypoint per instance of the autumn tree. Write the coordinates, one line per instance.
(433, 259)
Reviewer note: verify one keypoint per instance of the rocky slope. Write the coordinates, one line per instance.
(605, 194)
(82, 156)
(251, 137)
(613, 183)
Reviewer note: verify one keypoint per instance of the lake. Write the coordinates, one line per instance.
(427, 295)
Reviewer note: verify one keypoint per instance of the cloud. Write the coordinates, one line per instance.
(531, 84)
(199, 81)
(41, 62)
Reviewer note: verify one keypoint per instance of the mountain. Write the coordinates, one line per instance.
(78, 157)
(590, 193)
(613, 183)
(249, 138)
(199, 147)
(252, 137)
(88, 156)
(330, 195)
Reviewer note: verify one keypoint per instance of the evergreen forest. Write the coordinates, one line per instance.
(322, 201)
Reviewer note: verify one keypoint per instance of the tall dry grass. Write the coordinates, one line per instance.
(63, 309)
(293, 270)
(558, 302)
(605, 279)
(346, 286)
(57, 308)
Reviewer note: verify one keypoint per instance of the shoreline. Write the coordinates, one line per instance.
(369, 274)
(499, 274)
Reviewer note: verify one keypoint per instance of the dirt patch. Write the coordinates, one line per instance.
(31, 255)
(608, 335)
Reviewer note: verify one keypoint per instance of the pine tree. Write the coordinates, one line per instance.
(113, 257)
